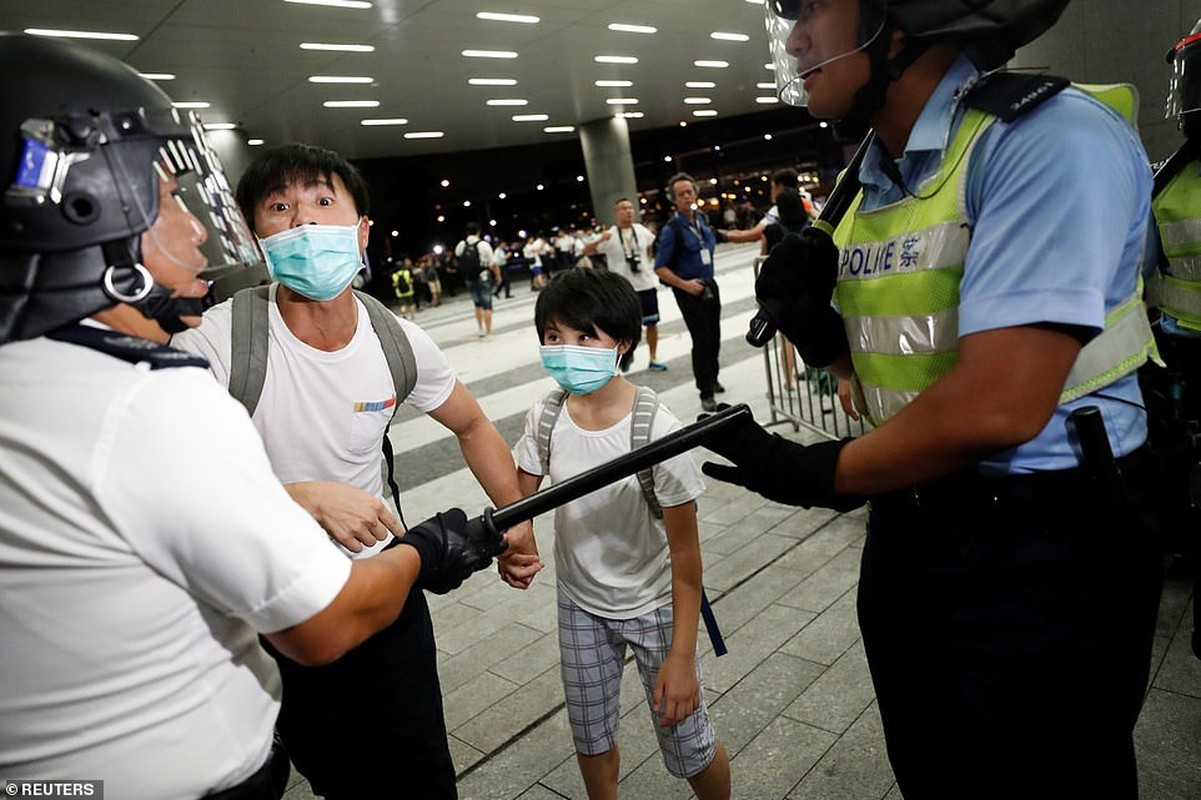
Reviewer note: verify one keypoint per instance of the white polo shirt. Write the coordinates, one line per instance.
(143, 542)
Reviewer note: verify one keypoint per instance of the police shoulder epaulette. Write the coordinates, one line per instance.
(133, 349)
(1008, 95)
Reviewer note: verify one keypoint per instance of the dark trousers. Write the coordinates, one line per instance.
(1008, 628)
(371, 724)
(702, 315)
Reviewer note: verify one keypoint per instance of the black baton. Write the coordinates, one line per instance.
(671, 445)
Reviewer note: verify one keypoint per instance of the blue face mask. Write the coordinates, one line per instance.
(579, 370)
(317, 261)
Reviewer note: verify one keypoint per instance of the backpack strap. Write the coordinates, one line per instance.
(397, 348)
(552, 406)
(646, 405)
(248, 346)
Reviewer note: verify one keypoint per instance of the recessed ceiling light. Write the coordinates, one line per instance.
(502, 195)
(540, 187)
(769, 66)
(530, 117)
(509, 101)
(697, 101)
(334, 3)
(254, 142)
(494, 17)
(711, 64)
(704, 112)
(192, 104)
(683, 124)
(630, 114)
(700, 85)
(466, 204)
(340, 79)
(351, 103)
(339, 48)
(388, 121)
(756, 2)
(615, 60)
(157, 76)
(551, 129)
(766, 85)
(220, 126)
(723, 36)
(624, 28)
(445, 184)
(579, 178)
(767, 137)
(110, 37)
(667, 159)
(622, 101)
(823, 124)
(425, 135)
(489, 54)
(613, 84)
(767, 100)
(495, 81)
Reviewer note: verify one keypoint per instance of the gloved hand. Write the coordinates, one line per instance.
(804, 263)
(778, 469)
(452, 547)
(794, 288)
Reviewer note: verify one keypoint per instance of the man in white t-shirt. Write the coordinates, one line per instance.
(325, 405)
(144, 539)
(627, 250)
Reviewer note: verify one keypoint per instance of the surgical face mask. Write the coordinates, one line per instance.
(317, 261)
(580, 370)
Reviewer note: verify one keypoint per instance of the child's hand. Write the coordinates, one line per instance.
(520, 563)
(677, 692)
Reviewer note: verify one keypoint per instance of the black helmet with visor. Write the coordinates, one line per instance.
(1184, 88)
(84, 142)
(988, 30)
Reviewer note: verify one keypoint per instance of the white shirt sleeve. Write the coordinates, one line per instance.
(525, 452)
(185, 478)
(677, 480)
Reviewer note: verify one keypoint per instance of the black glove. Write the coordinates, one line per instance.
(452, 547)
(780, 470)
(794, 288)
(804, 263)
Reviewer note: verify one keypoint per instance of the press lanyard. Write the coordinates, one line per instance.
(632, 250)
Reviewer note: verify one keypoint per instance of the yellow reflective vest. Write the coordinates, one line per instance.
(900, 268)
(1177, 212)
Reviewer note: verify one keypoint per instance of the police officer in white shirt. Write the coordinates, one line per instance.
(131, 591)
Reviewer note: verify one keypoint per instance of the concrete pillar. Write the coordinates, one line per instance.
(609, 164)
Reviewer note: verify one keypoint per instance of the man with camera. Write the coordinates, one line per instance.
(627, 250)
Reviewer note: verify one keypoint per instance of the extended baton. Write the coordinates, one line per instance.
(671, 445)
(762, 328)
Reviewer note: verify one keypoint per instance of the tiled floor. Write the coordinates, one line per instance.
(792, 700)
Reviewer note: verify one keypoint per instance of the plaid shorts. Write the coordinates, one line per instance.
(592, 653)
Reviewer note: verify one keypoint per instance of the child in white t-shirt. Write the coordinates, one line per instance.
(623, 575)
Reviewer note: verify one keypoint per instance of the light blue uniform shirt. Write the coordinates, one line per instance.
(1059, 205)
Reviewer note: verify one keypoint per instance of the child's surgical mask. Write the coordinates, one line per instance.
(317, 261)
(580, 370)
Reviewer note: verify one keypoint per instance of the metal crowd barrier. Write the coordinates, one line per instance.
(802, 395)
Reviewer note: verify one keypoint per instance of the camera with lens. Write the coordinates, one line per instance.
(632, 260)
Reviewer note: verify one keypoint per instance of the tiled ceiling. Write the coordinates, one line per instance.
(244, 58)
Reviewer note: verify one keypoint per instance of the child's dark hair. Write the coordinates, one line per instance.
(305, 164)
(592, 300)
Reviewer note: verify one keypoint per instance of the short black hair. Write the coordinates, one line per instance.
(592, 300)
(786, 177)
(297, 163)
(473, 229)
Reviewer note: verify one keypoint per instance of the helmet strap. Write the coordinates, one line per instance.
(871, 96)
(154, 300)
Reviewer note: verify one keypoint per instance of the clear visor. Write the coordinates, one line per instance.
(1183, 91)
(806, 35)
(186, 158)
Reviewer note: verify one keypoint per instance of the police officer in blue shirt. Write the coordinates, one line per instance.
(985, 287)
(1174, 291)
(684, 261)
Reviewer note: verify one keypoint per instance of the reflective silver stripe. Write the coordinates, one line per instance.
(937, 246)
(1172, 297)
(1180, 233)
(904, 336)
(1118, 350)
(883, 404)
(1186, 268)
